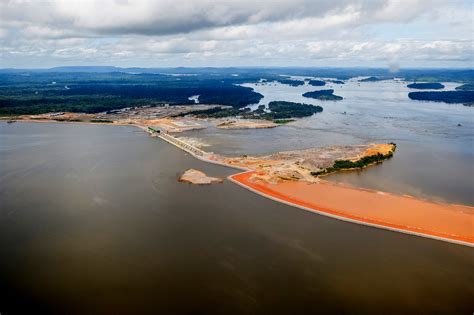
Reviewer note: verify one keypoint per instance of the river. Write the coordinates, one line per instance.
(94, 221)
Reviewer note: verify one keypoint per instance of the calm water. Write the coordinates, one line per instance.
(93, 221)
(434, 155)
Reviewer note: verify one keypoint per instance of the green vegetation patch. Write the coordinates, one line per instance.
(426, 86)
(316, 83)
(323, 95)
(359, 164)
(67, 120)
(287, 110)
(375, 79)
(37, 93)
(450, 97)
(283, 121)
(278, 110)
(291, 82)
(105, 121)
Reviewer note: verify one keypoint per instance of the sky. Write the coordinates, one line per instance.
(224, 33)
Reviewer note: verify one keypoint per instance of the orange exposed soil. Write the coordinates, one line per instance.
(382, 148)
(454, 223)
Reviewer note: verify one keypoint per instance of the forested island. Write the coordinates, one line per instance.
(316, 83)
(278, 111)
(291, 82)
(323, 95)
(375, 79)
(285, 110)
(465, 97)
(426, 86)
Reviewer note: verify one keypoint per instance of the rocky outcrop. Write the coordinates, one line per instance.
(199, 178)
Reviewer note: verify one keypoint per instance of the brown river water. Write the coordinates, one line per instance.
(94, 221)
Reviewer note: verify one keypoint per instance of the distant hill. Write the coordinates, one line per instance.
(103, 69)
(271, 73)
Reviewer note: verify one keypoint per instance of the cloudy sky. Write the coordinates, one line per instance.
(154, 33)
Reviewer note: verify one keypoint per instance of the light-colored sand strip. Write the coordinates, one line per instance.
(450, 223)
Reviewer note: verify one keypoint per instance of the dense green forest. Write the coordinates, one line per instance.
(279, 111)
(97, 89)
(285, 110)
(426, 86)
(466, 87)
(375, 79)
(97, 92)
(316, 83)
(465, 97)
(291, 82)
(323, 95)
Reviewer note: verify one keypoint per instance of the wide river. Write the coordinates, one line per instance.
(94, 221)
(435, 141)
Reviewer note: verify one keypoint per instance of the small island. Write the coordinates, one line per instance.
(291, 82)
(323, 95)
(375, 79)
(278, 111)
(196, 177)
(316, 83)
(426, 86)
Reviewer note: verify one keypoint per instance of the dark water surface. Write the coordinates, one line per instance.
(93, 221)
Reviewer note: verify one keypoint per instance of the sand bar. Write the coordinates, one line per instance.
(453, 223)
(196, 177)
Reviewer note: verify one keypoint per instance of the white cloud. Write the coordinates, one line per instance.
(220, 32)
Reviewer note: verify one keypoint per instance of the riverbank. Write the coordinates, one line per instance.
(451, 223)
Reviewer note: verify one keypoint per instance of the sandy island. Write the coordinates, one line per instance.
(196, 177)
